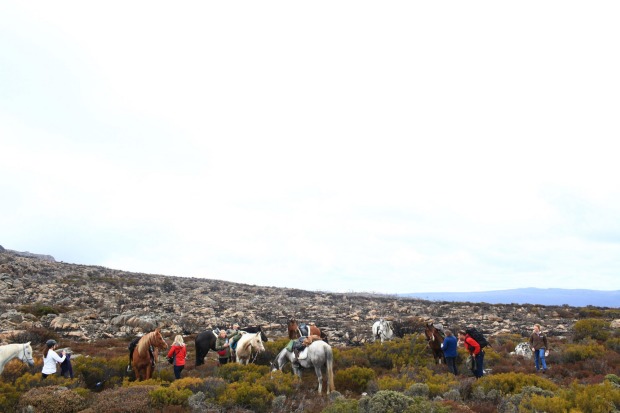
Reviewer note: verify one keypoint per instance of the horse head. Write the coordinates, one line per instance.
(157, 340)
(26, 356)
(293, 329)
(257, 343)
(263, 336)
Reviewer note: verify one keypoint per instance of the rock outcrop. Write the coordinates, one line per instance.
(91, 302)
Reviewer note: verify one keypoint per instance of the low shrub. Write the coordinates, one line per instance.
(351, 357)
(511, 383)
(613, 379)
(578, 352)
(169, 396)
(52, 399)
(9, 396)
(593, 328)
(613, 344)
(13, 370)
(214, 387)
(195, 384)
(40, 309)
(388, 382)
(235, 372)
(249, 396)
(278, 383)
(134, 399)
(540, 403)
(596, 398)
(97, 371)
(354, 378)
(389, 401)
(32, 380)
(418, 390)
(342, 405)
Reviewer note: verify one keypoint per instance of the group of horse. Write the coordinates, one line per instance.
(385, 330)
(317, 353)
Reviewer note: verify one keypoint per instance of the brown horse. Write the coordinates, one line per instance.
(142, 363)
(434, 338)
(310, 329)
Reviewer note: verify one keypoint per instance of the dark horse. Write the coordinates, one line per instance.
(434, 338)
(295, 331)
(205, 341)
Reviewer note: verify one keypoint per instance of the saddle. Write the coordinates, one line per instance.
(304, 330)
(310, 339)
(303, 354)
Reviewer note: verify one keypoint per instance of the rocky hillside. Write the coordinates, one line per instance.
(90, 302)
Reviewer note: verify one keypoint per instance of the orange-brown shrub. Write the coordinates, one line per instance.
(134, 399)
(52, 399)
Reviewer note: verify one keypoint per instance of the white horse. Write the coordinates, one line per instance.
(383, 330)
(318, 354)
(22, 351)
(245, 345)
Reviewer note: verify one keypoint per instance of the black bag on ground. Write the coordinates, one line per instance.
(478, 336)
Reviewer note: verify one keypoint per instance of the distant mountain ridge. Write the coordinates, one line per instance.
(542, 296)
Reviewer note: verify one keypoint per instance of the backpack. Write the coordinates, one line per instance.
(478, 336)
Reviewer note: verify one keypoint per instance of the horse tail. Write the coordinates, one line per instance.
(329, 357)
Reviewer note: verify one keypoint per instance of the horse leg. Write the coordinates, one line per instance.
(200, 357)
(319, 376)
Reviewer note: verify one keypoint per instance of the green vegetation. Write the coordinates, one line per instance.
(398, 376)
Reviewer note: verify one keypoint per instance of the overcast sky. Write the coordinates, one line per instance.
(389, 147)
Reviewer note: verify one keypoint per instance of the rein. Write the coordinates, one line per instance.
(23, 357)
(249, 344)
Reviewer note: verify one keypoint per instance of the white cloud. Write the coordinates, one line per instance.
(392, 148)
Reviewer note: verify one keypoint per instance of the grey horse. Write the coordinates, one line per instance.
(319, 354)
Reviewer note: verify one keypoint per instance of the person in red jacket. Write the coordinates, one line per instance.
(474, 349)
(179, 351)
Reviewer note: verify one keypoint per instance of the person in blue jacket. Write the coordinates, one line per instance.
(449, 351)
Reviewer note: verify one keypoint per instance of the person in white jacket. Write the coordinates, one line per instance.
(50, 358)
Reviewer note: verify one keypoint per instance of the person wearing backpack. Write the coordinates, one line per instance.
(474, 350)
(538, 344)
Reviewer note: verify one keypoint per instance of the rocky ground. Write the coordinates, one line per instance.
(90, 303)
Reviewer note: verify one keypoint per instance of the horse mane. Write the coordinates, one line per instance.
(145, 341)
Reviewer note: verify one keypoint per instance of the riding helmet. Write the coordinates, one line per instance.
(50, 343)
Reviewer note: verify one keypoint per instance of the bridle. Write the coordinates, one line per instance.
(24, 358)
(384, 326)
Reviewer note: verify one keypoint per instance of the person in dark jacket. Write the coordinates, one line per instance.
(222, 347)
(538, 344)
(66, 369)
(449, 351)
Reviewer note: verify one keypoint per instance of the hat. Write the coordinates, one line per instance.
(235, 325)
(50, 343)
